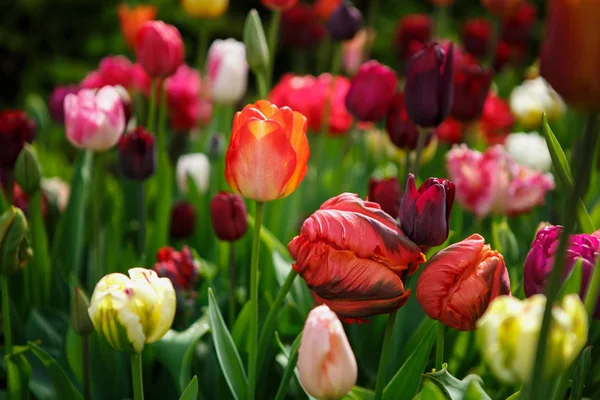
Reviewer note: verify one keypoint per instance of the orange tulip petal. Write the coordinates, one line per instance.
(266, 108)
(241, 117)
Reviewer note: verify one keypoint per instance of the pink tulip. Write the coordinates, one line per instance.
(326, 364)
(186, 107)
(159, 49)
(94, 120)
(112, 71)
(227, 71)
(140, 80)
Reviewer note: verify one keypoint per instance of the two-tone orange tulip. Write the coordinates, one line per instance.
(132, 19)
(268, 152)
(570, 59)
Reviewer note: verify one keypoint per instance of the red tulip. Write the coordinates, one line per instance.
(278, 5)
(352, 255)
(228, 215)
(159, 49)
(412, 34)
(16, 129)
(179, 266)
(386, 193)
(450, 131)
(476, 36)
(183, 220)
(459, 283)
(371, 91)
(401, 130)
(471, 87)
(496, 119)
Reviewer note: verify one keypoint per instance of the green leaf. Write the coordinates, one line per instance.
(456, 389)
(514, 396)
(19, 373)
(430, 392)
(290, 367)
(406, 382)
(359, 393)
(163, 205)
(269, 239)
(299, 294)
(191, 392)
(229, 358)
(240, 328)
(74, 350)
(582, 370)
(61, 382)
(573, 283)
(39, 266)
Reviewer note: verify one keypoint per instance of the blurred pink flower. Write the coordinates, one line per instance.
(353, 51)
(112, 71)
(159, 48)
(186, 107)
(140, 80)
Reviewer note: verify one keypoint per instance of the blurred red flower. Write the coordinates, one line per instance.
(132, 19)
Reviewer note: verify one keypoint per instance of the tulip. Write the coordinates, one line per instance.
(501, 8)
(112, 71)
(16, 129)
(386, 193)
(205, 8)
(324, 8)
(471, 87)
(15, 251)
(496, 120)
(228, 215)
(460, 281)
(137, 154)
(179, 266)
(279, 5)
(184, 99)
(371, 91)
(300, 27)
(533, 98)
(56, 103)
(94, 121)
(159, 49)
(425, 213)
(529, 150)
(476, 36)
(268, 152)
(450, 131)
(227, 71)
(517, 29)
(570, 59)
(28, 173)
(183, 220)
(132, 19)
(353, 256)
(80, 319)
(140, 81)
(401, 130)
(508, 332)
(257, 49)
(428, 91)
(345, 22)
(412, 34)
(129, 312)
(540, 260)
(195, 166)
(327, 368)
(353, 51)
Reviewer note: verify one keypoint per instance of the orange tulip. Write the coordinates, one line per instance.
(268, 152)
(132, 19)
(570, 58)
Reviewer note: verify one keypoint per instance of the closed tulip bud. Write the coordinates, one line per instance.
(131, 311)
(179, 266)
(56, 103)
(476, 36)
(501, 8)
(183, 220)
(471, 87)
(195, 166)
(257, 50)
(425, 213)
(27, 170)
(412, 34)
(507, 336)
(428, 92)
(16, 129)
(353, 256)
(371, 91)
(227, 71)
(205, 8)
(159, 49)
(279, 5)
(344, 22)
(401, 130)
(386, 193)
(460, 281)
(80, 319)
(15, 251)
(228, 215)
(137, 154)
(327, 368)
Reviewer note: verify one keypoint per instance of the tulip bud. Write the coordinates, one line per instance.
(386, 193)
(130, 311)
(460, 281)
(159, 49)
(279, 5)
(425, 213)
(327, 367)
(183, 220)
(227, 68)
(344, 22)
(195, 166)
(476, 36)
(179, 266)
(27, 170)
(137, 154)
(228, 215)
(428, 92)
(257, 50)
(501, 8)
(16, 129)
(371, 91)
(80, 319)
(412, 34)
(57, 99)
(15, 251)
(508, 332)
(401, 130)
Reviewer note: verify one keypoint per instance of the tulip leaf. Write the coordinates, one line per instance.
(162, 211)
(582, 371)
(191, 392)
(239, 332)
(229, 358)
(514, 396)
(359, 393)
(19, 373)
(573, 283)
(430, 391)
(61, 382)
(469, 388)
(406, 382)
(290, 367)
(38, 270)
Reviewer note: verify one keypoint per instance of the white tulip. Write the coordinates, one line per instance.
(529, 150)
(227, 71)
(533, 98)
(196, 166)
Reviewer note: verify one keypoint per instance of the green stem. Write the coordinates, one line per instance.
(141, 209)
(420, 145)
(272, 43)
(152, 107)
(254, 301)
(372, 14)
(441, 19)
(85, 353)
(232, 284)
(136, 376)
(385, 354)
(162, 118)
(261, 82)
(8, 343)
(97, 206)
(591, 297)
(439, 350)
(202, 48)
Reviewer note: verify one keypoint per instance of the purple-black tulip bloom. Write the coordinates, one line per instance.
(137, 154)
(345, 22)
(401, 130)
(371, 91)
(183, 220)
(228, 215)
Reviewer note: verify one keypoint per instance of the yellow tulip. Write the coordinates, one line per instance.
(205, 8)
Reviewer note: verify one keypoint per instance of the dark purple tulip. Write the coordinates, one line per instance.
(137, 154)
(471, 88)
(401, 130)
(183, 220)
(345, 22)
(228, 215)
(476, 36)
(16, 129)
(428, 91)
(371, 91)
(425, 213)
(57, 100)
(386, 193)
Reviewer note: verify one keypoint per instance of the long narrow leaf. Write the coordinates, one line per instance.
(289, 369)
(61, 382)
(39, 266)
(191, 392)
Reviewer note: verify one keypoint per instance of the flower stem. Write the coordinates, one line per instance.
(152, 107)
(202, 48)
(232, 284)
(98, 200)
(85, 353)
(136, 376)
(254, 300)
(261, 82)
(6, 321)
(162, 118)
(439, 350)
(420, 145)
(272, 43)
(141, 209)
(385, 353)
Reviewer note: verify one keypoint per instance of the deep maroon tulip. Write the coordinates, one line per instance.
(345, 22)
(471, 87)
(425, 213)
(179, 266)
(16, 129)
(56, 103)
(371, 91)
(386, 193)
(300, 27)
(517, 29)
(183, 220)
(412, 34)
(228, 215)
(137, 154)
(428, 91)
(401, 130)
(476, 36)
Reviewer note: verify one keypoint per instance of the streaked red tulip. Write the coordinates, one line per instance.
(386, 193)
(159, 49)
(459, 283)
(412, 34)
(371, 91)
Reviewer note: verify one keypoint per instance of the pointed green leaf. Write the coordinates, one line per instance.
(191, 392)
(291, 366)
(359, 393)
(514, 396)
(430, 392)
(229, 358)
(456, 389)
(61, 382)
(573, 283)
(19, 373)
(582, 370)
